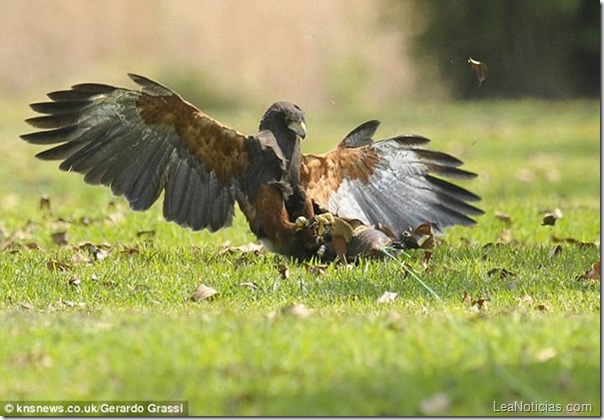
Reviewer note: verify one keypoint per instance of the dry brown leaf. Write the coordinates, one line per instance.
(32, 246)
(251, 247)
(525, 299)
(573, 241)
(283, 271)
(426, 259)
(115, 217)
(130, 250)
(45, 204)
(480, 70)
(299, 311)
(79, 258)
(466, 298)
(546, 354)
(74, 280)
(101, 254)
(71, 304)
(145, 233)
(249, 284)
(480, 304)
(34, 357)
(436, 404)
(557, 250)
(395, 321)
(506, 236)
(387, 297)
(593, 273)
(503, 272)
(203, 292)
(26, 306)
(549, 219)
(60, 238)
(317, 269)
(54, 265)
(503, 217)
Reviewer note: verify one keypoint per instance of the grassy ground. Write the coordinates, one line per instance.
(510, 319)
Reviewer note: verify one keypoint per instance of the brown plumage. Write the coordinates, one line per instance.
(143, 143)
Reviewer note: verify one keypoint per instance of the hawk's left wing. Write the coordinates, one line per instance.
(394, 182)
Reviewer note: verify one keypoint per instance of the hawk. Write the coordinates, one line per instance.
(351, 201)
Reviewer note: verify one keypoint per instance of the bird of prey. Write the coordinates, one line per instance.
(350, 202)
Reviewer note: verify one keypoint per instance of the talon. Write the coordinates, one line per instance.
(325, 219)
(301, 223)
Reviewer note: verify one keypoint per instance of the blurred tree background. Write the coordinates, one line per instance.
(548, 49)
(321, 54)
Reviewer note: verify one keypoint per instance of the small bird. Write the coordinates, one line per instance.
(349, 202)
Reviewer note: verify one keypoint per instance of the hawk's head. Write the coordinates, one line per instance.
(283, 117)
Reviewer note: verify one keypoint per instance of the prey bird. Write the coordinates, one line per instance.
(352, 201)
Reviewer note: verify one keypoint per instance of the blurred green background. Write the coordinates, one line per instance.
(320, 54)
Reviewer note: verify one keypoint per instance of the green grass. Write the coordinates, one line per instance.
(124, 327)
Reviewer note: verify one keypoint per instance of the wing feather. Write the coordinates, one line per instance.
(140, 143)
(395, 182)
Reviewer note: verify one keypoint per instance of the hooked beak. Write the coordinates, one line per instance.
(298, 127)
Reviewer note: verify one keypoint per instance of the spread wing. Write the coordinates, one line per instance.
(395, 182)
(141, 143)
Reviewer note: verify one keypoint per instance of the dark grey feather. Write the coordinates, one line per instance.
(360, 136)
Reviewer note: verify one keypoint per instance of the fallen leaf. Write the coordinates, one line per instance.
(525, 299)
(34, 357)
(503, 217)
(549, 219)
(32, 246)
(203, 292)
(593, 273)
(60, 238)
(573, 241)
(466, 299)
(421, 237)
(74, 280)
(395, 321)
(283, 271)
(45, 204)
(130, 250)
(426, 259)
(71, 304)
(55, 265)
(145, 233)
(299, 311)
(79, 258)
(546, 354)
(480, 304)
(424, 229)
(26, 306)
(99, 252)
(251, 247)
(115, 217)
(557, 250)
(480, 70)
(436, 404)
(503, 272)
(387, 297)
(317, 269)
(506, 236)
(249, 285)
